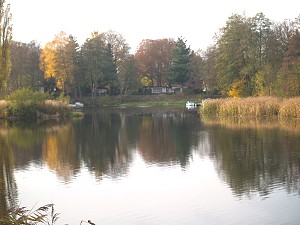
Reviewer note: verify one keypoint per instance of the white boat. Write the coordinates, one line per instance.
(76, 105)
(192, 104)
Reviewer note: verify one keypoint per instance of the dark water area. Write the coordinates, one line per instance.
(153, 165)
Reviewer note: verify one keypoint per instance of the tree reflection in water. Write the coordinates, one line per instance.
(250, 156)
(8, 187)
(256, 155)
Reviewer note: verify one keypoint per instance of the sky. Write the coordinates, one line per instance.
(196, 21)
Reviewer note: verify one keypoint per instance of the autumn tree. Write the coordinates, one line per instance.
(58, 61)
(25, 70)
(153, 59)
(180, 64)
(289, 75)
(5, 40)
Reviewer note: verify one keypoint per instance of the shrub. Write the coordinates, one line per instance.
(27, 104)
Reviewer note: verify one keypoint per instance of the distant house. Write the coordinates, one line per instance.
(102, 91)
(160, 90)
(177, 89)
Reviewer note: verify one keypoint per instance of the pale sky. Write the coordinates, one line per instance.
(195, 20)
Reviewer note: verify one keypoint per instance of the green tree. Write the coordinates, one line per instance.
(97, 64)
(109, 69)
(5, 40)
(235, 62)
(196, 77)
(91, 57)
(121, 57)
(129, 79)
(210, 72)
(261, 28)
(71, 65)
(180, 64)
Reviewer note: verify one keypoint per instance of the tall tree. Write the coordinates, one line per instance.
(129, 79)
(109, 69)
(58, 61)
(235, 63)
(196, 77)
(25, 70)
(261, 28)
(153, 59)
(180, 64)
(289, 75)
(5, 40)
(91, 62)
(121, 56)
(97, 64)
(210, 73)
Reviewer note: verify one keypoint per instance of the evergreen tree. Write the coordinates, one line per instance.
(180, 63)
(109, 69)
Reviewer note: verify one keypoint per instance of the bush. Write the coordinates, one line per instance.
(26, 95)
(27, 104)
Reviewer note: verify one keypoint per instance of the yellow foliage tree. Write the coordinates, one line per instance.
(237, 89)
(56, 61)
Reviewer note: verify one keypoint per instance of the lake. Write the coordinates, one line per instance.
(153, 165)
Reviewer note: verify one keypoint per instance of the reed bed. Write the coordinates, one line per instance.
(252, 107)
(290, 108)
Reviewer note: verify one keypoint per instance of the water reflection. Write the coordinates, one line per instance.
(256, 155)
(249, 156)
(8, 188)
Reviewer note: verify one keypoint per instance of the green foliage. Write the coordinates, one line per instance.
(180, 63)
(27, 104)
(64, 98)
(26, 95)
(24, 103)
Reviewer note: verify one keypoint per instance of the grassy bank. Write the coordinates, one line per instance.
(252, 107)
(136, 100)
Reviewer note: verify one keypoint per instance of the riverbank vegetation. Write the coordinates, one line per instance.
(252, 107)
(251, 56)
(26, 104)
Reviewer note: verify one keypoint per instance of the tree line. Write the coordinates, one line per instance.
(251, 56)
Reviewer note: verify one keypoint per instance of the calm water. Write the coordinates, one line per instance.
(154, 166)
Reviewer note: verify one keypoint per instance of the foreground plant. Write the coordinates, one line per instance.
(22, 216)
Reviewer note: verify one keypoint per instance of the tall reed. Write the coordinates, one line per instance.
(252, 107)
(290, 108)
